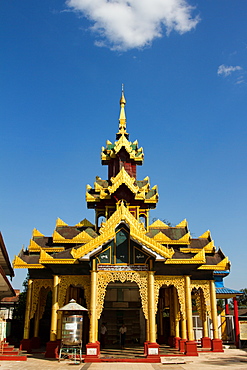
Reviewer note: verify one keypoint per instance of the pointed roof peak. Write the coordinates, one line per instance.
(122, 117)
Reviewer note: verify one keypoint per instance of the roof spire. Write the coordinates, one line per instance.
(122, 117)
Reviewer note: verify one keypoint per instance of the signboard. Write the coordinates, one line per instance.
(91, 351)
(243, 329)
(153, 351)
(70, 326)
(122, 267)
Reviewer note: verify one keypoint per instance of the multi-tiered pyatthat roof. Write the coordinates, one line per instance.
(121, 159)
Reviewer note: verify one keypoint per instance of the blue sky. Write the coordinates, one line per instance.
(183, 65)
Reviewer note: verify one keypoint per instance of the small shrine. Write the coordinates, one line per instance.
(124, 269)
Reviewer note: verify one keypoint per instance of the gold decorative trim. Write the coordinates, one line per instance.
(82, 237)
(158, 224)
(206, 235)
(37, 285)
(182, 224)
(204, 285)
(221, 266)
(123, 178)
(199, 258)
(177, 282)
(18, 263)
(33, 246)
(60, 223)
(76, 280)
(105, 277)
(137, 231)
(162, 238)
(46, 258)
(37, 233)
(84, 223)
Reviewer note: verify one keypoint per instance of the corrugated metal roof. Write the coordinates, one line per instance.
(225, 290)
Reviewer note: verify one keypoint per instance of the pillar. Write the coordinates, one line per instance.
(93, 347)
(26, 341)
(93, 315)
(176, 338)
(53, 331)
(190, 345)
(205, 340)
(216, 342)
(152, 347)
(151, 307)
(183, 339)
(236, 322)
(52, 345)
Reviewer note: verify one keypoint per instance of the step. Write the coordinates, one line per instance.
(8, 349)
(10, 353)
(13, 358)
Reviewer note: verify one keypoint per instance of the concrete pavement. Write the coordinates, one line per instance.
(233, 359)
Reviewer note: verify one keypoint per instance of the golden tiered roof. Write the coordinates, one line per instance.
(169, 246)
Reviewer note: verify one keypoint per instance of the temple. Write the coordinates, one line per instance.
(150, 276)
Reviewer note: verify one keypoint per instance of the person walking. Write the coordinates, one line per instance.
(122, 332)
(103, 331)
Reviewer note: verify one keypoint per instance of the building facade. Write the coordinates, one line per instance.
(122, 268)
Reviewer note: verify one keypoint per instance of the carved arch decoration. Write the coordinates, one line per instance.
(76, 280)
(177, 282)
(106, 277)
(204, 286)
(42, 300)
(37, 285)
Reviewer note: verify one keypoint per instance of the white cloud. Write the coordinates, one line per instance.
(128, 24)
(227, 70)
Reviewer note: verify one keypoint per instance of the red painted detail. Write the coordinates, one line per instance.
(92, 352)
(176, 341)
(146, 348)
(217, 345)
(26, 345)
(13, 358)
(236, 322)
(182, 345)
(52, 349)
(153, 351)
(206, 342)
(227, 310)
(191, 348)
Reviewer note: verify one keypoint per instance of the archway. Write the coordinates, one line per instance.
(122, 304)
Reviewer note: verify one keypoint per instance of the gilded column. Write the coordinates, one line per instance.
(28, 309)
(214, 310)
(191, 344)
(53, 331)
(204, 316)
(216, 341)
(151, 307)
(93, 334)
(188, 308)
(147, 331)
(176, 320)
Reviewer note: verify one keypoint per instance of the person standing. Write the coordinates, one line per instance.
(122, 332)
(103, 331)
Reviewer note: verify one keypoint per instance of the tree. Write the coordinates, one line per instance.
(242, 299)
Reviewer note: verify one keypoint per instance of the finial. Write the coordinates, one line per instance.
(122, 117)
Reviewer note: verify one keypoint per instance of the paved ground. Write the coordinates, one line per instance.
(233, 359)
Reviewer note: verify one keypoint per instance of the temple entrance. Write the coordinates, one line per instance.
(122, 305)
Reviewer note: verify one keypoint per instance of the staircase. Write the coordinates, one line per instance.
(9, 353)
